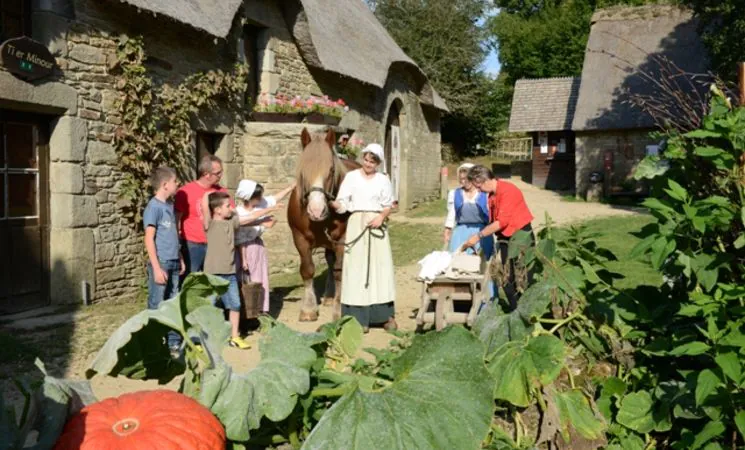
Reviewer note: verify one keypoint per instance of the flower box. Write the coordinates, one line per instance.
(322, 119)
(277, 117)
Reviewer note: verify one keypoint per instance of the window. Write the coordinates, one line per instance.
(19, 171)
(252, 51)
(15, 19)
(207, 144)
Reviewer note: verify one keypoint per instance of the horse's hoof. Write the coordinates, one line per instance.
(310, 316)
(328, 301)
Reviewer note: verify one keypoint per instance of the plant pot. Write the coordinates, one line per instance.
(322, 119)
(277, 117)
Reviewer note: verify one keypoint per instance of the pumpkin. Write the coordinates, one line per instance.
(163, 420)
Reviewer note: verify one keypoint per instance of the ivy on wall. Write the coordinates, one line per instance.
(156, 120)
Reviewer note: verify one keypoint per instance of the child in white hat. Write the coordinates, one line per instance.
(252, 262)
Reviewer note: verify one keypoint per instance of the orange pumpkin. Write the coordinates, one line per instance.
(146, 420)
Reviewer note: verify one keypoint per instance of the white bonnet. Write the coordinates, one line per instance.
(245, 189)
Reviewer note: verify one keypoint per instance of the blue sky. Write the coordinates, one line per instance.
(491, 64)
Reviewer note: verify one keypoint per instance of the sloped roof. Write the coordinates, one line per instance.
(213, 16)
(544, 104)
(624, 43)
(345, 37)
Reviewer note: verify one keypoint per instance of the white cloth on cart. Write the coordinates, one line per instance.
(434, 264)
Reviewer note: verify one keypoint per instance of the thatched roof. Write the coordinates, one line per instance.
(624, 43)
(213, 16)
(545, 104)
(345, 37)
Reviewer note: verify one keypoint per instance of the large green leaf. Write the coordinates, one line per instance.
(575, 411)
(47, 409)
(730, 365)
(709, 432)
(706, 384)
(440, 398)
(138, 350)
(636, 412)
(650, 167)
(521, 367)
(740, 422)
(495, 328)
(270, 390)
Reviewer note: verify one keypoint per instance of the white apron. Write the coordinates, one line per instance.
(380, 281)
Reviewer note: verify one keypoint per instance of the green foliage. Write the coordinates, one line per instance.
(539, 39)
(722, 26)
(156, 120)
(446, 39)
(687, 380)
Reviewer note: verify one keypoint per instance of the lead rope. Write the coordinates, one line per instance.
(378, 233)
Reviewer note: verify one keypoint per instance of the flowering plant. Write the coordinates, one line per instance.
(353, 148)
(281, 103)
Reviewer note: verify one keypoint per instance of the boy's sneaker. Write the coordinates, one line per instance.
(238, 342)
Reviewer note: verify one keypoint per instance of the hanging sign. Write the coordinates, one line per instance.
(26, 58)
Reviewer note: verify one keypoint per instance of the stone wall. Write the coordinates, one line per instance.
(89, 237)
(271, 151)
(628, 146)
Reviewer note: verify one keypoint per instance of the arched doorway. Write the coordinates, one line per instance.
(393, 146)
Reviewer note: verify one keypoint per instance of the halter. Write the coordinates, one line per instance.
(328, 195)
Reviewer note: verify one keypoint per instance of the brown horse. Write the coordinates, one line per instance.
(313, 223)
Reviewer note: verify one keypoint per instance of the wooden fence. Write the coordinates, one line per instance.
(519, 149)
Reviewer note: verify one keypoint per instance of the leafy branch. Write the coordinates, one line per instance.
(156, 124)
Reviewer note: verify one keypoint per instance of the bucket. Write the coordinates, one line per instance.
(253, 299)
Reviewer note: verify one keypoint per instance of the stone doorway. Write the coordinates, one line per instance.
(24, 211)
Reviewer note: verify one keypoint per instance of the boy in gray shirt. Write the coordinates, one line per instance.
(220, 223)
(165, 263)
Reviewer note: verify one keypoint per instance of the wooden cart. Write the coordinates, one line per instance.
(444, 291)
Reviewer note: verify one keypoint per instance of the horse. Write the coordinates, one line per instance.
(313, 223)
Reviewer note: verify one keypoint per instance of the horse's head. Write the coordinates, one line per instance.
(318, 174)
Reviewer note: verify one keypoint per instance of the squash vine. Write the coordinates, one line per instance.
(156, 120)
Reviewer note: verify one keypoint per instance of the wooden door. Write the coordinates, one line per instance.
(395, 172)
(23, 213)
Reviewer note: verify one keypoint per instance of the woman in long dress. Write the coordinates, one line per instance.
(468, 213)
(368, 283)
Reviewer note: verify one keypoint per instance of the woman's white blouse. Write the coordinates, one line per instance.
(357, 193)
(450, 219)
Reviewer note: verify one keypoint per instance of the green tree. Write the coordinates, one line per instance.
(723, 31)
(538, 39)
(446, 39)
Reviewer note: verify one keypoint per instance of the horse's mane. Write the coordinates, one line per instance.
(316, 160)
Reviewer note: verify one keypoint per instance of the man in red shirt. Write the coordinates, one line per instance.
(508, 214)
(188, 207)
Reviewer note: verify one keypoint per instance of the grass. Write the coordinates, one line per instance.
(435, 208)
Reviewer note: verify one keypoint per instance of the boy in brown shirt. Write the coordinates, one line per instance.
(220, 225)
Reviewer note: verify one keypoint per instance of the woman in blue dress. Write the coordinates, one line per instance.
(468, 213)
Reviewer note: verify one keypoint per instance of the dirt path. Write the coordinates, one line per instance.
(408, 289)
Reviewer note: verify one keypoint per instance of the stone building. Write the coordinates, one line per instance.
(628, 48)
(63, 238)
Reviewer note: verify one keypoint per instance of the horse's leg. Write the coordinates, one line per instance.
(309, 305)
(330, 289)
(337, 267)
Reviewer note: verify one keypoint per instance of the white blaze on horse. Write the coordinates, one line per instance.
(314, 223)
